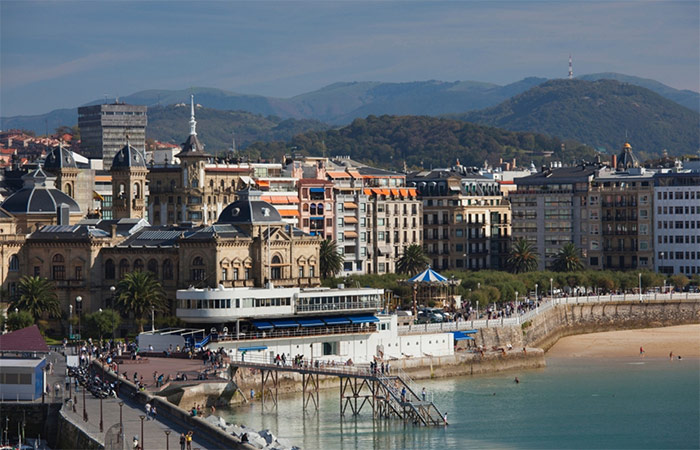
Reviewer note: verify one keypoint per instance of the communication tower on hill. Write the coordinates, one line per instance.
(571, 68)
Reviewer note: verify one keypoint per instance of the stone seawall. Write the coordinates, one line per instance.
(546, 329)
(40, 419)
(70, 436)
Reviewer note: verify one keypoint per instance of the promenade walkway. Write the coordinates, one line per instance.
(153, 436)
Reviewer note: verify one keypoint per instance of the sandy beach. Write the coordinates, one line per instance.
(683, 340)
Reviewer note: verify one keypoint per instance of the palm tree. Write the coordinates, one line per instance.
(413, 260)
(36, 296)
(139, 293)
(523, 257)
(330, 260)
(568, 259)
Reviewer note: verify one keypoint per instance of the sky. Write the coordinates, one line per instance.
(61, 54)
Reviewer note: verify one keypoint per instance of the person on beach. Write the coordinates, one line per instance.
(670, 356)
(641, 351)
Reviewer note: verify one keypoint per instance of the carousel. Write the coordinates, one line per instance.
(429, 286)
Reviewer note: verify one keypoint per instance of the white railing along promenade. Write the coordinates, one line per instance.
(517, 318)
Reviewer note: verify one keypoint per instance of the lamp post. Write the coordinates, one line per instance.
(121, 423)
(85, 414)
(640, 286)
(70, 321)
(167, 439)
(79, 308)
(153, 320)
(536, 288)
(551, 288)
(516, 301)
(142, 437)
(112, 290)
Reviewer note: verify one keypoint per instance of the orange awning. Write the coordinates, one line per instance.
(404, 192)
(265, 183)
(349, 205)
(338, 174)
(354, 174)
(377, 191)
(288, 212)
(279, 200)
(350, 219)
(293, 199)
(386, 192)
(395, 192)
(412, 192)
(350, 235)
(368, 191)
(266, 198)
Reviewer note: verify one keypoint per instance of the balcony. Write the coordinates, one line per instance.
(299, 332)
(345, 306)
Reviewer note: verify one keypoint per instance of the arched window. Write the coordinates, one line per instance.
(58, 269)
(199, 273)
(153, 267)
(276, 269)
(67, 189)
(223, 185)
(211, 184)
(109, 269)
(167, 270)
(14, 263)
(137, 190)
(312, 211)
(138, 265)
(122, 190)
(305, 207)
(320, 209)
(123, 268)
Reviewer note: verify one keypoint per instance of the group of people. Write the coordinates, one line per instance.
(376, 368)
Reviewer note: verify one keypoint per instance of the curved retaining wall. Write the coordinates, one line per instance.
(565, 320)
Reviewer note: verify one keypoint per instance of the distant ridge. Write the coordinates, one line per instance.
(600, 114)
(342, 102)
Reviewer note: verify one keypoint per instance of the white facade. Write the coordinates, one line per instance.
(677, 223)
(22, 379)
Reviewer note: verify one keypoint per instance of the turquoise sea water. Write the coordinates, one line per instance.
(573, 403)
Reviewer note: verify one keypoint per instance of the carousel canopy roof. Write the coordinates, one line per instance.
(428, 276)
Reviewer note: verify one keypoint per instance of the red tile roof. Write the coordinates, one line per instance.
(25, 340)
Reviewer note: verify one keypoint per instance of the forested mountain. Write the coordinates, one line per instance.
(340, 103)
(602, 113)
(421, 141)
(216, 128)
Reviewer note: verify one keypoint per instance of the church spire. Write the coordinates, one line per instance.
(193, 123)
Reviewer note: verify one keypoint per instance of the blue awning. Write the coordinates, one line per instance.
(311, 322)
(252, 349)
(317, 189)
(363, 319)
(336, 320)
(460, 336)
(284, 324)
(470, 331)
(262, 325)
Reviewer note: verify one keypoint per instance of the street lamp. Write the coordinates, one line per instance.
(536, 288)
(112, 290)
(79, 310)
(121, 423)
(142, 436)
(551, 287)
(640, 286)
(70, 321)
(167, 439)
(85, 414)
(153, 321)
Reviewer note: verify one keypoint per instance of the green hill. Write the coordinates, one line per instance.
(422, 141)
(602, 113)
(216, 128)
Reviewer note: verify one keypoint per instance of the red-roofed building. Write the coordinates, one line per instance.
(22, 361)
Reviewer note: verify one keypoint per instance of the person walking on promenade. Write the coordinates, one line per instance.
(183, 441)
(148, 411)
(153, 412)
(189, 440)
(424, 394)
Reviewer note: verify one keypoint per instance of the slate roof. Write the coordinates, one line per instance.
(128, 156)
(60, 158)
(192, 147)
(249, 209)
(566, 175)
(25, 340)
(38, 196)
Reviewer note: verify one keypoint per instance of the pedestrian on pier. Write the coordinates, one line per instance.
(424, 394)
(148, 411)
(403, 394)
(189, 440)
(183, 441)
(153, 412)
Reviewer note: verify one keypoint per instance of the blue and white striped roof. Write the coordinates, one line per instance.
(428, 276)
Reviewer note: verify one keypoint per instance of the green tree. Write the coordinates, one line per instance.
(101, 323)
(37, 296)
(523, 257)
(679, 281)
(138, 293)
(568, 259)
(330, 260)
(17, 320)
(413, 260)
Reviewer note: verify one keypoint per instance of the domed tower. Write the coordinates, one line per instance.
(626, 158)
(193, 159)
(61, 164)
(129, 173)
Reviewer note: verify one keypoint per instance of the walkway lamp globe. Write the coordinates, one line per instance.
(78, 307)
(167, 439)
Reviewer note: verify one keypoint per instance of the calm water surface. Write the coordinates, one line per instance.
(573, 403)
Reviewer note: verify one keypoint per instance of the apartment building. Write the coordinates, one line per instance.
(466, 220)
(677, 218)
(550, 209)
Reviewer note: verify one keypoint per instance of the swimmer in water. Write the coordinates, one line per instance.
(516, 380)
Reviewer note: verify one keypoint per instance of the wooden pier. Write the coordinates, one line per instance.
(388, 395)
